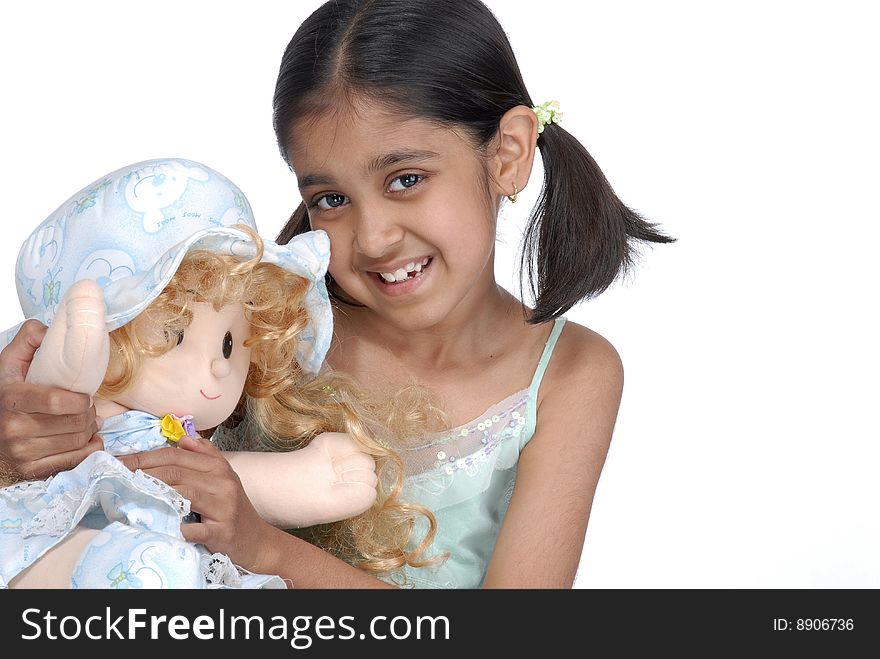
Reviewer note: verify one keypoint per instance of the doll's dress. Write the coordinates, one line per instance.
(465, 476)
(140, 544)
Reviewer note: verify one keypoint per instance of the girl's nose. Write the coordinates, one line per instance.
(220, 368)
(374, 235)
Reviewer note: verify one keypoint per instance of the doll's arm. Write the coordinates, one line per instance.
(329, 480)
(76, 349)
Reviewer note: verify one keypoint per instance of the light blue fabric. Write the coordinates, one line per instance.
(140, 544)
(130, 230)
(132, 432)
(465, 476)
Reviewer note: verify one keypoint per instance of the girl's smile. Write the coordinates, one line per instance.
(403, 278)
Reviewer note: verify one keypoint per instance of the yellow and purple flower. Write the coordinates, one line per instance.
(174, 427)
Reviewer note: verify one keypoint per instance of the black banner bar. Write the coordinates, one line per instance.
(406, 623)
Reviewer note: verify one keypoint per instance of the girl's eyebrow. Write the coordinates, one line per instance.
(396, 157)
(313, 179)
(377, 164)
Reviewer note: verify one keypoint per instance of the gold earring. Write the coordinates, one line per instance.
(512, 197)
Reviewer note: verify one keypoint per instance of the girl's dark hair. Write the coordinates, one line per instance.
(450, 61)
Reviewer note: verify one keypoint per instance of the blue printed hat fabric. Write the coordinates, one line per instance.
(130, 230)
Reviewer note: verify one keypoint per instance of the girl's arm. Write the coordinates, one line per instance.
(542, 535)
(230, 524)
(328, 480)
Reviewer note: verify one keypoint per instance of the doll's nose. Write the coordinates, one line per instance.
(220, 368)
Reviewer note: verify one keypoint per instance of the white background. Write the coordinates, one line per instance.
(745, 453)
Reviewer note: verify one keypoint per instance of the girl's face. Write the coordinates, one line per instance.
(203, 375)
(408, 210)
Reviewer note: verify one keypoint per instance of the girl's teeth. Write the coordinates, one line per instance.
(402, 274)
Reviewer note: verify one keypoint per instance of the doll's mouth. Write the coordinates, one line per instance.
(209, 397)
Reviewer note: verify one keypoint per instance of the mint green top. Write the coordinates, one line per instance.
(465, 476)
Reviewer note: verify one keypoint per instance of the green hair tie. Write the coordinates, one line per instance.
(548, 113)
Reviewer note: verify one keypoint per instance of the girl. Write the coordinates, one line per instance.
(407, 123)
(201, 310)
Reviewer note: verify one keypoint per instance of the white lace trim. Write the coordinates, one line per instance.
(63, 510)
(220, 571)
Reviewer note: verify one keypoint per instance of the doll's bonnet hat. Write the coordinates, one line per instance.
(129, 231)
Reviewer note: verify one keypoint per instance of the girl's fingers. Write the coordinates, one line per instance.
(36, 398)
(166, 457)
(199, 445)
(15, 359)
(45, 467)
(29, 461)
(192, 485)
(203, 488)
(196, 533)
(55, 426)
(191, 492)
(41, 434)
(35, 449)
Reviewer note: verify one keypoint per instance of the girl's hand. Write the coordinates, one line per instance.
(229, 524)
(43, 430)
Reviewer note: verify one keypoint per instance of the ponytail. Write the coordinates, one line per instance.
(579, 235)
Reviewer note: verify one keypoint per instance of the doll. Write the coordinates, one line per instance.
(164, 303)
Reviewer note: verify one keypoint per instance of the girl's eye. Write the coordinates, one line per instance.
(331, 201)
(227, 345)
(404, 182)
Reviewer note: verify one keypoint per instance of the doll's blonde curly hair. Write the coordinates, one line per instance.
(284, 409)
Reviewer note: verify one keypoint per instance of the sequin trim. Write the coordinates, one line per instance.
(457, 450)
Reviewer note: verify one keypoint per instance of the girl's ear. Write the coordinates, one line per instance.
(511, 164)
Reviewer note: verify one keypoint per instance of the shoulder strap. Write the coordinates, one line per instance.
(545, 356)
(532, 404)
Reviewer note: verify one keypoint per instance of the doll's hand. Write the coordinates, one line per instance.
(43, 430)
(342, 478)
(229, 523)
(329, 480)
(76, 349)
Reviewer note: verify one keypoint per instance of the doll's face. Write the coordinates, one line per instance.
(203, 375)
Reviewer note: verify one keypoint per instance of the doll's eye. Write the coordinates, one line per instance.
(227, 345)
(180, 337)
